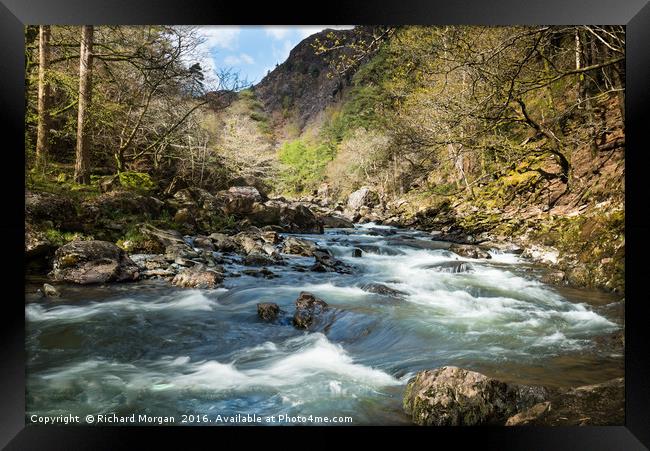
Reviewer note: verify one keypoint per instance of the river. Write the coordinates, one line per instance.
(149, 348)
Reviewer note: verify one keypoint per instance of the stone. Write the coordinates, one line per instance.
(382, 289)
(452, 396)
(50, 292)
(86, 262)
(223, 242)
(203, 242)
(57, 209)
(251, 181)
(298, 246)
(268, 311)
(197, 277)
(356, 252)
(469, 251)
(300, 219)
(336, 222)
(363, 197)
(308, 307)
(325, 262)
(259, 260)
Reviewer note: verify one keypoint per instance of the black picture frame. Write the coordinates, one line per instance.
(14, 14)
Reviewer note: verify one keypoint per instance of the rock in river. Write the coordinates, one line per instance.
(379, 288)
(469, 251)
(308, 307)
(87, 262)
(452, 396)
(298, 246)
(197, 277)
(268, 311)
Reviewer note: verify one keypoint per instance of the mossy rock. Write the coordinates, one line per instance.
(138, 181)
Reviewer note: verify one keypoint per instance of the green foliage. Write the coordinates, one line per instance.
(59, 238)
(222, 223)
(304, 164)
(137, 181)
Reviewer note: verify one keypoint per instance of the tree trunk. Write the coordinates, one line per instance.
(81, 170)
(42, 133)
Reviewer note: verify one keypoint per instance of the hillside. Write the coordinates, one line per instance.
(468, 195)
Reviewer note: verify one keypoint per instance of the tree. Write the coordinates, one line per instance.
(42, 136)
(82, 164)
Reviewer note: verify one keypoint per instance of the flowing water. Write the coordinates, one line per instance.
(148, 348)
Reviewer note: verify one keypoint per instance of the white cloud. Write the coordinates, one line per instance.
(225, 37)
(278, 33)
(237, 60)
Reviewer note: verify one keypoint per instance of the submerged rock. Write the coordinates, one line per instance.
(308, 307)
(453, 267)
(382, 289)
(356, 252)
(452, 396)
(86, 262)
(268, 311)
(197, 277)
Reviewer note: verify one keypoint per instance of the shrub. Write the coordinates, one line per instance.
(303, 164)
(138, 181)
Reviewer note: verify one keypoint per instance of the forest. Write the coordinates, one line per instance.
(462, 184)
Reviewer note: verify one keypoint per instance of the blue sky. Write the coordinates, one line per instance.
(252, 50)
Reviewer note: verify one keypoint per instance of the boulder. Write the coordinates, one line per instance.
(363, 197)
(177, 251)
(223, 242)
(197, 277)
(195, 198)
(452, 396)
(59, 210)
(356, 252)
(469, 251)
(269, 213)
(336, 222)
(297, 246)
(308, 307)
(246, 191)
(50, 292)
(203, 242)
(121, 202)
(268, 311)
(382, 289)
(325, 262)
(86, 262)
(258, 259)
(164, 237)
(249, 180)
(300, 219)
(36, 243)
